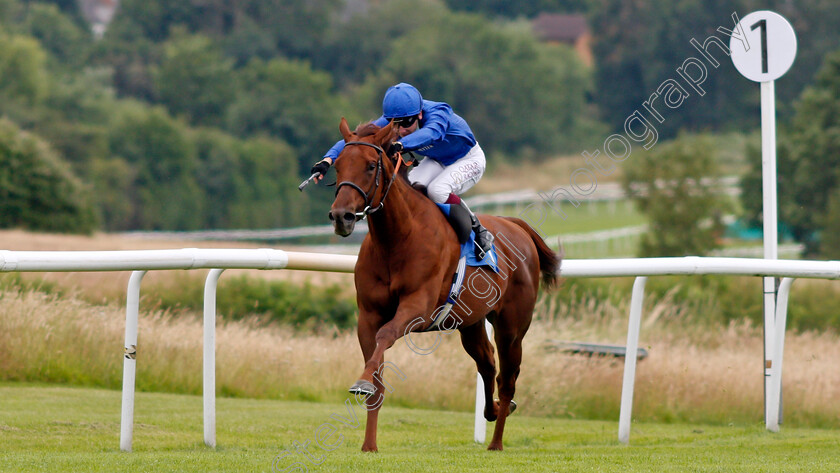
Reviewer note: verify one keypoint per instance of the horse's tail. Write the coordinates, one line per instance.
(549, 260)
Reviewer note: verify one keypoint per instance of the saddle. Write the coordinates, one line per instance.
(460, 220)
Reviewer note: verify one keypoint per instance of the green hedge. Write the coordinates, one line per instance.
(304, 306)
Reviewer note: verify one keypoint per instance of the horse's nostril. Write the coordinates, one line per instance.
(349, 216)
(332, 217)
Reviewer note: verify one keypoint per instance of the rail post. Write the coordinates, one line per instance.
(209, 388)
(480, 421)
(633, 329)
(132, 309)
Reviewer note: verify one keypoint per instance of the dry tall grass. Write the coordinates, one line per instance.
(708, 375)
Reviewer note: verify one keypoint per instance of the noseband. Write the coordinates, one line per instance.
(369, 194)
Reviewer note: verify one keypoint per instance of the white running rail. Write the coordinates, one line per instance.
(188, 258)
(141, 261)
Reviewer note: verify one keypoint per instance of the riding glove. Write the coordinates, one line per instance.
(321, 167)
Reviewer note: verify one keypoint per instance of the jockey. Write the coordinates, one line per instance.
(454, 160)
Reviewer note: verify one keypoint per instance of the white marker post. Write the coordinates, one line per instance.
(763, 53)
(480, 421)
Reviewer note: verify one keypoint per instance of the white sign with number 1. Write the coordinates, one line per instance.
(768, 49)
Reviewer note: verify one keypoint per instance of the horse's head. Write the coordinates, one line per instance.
(364, 174)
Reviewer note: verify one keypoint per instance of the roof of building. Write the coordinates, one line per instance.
(559, 27)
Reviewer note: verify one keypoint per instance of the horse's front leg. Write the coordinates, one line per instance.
(372, 404)
(371, 383)
(369, 324)
(410, 308)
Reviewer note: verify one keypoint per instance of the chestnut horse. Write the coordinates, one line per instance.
(405, 270)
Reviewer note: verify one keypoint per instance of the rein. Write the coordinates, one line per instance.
(369, 194)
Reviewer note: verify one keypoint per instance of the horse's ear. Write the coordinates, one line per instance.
(345, 129)
(383, 136)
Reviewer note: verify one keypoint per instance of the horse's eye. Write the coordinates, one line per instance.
(371, 166)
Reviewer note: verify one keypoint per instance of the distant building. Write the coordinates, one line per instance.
(98, 14)
(567, 29)
(353, 8)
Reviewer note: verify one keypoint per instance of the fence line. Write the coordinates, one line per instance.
(607, 192)
(141, 261)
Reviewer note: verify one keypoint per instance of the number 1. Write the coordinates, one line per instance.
(763, 25)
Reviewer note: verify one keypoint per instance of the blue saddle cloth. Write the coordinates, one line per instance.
(468, 248)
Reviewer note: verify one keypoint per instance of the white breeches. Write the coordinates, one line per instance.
(456, 178)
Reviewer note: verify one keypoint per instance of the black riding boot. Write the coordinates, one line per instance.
(483, 238)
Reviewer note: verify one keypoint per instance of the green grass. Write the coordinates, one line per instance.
(588, 217)
(56, 428)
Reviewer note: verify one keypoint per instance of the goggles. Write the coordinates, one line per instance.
(405, 122)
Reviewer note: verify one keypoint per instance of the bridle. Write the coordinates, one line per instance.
(368, 195)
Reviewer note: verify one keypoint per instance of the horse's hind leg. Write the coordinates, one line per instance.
(509, 344)
(478, 346)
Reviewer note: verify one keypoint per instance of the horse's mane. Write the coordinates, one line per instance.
(370, 128)
(367, 129)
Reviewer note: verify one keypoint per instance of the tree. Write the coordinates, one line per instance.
(270, 198)
(164, 193)
(290, 101)
(297, 26)
(519, 96)
(356, 48)
(808, 161)
(37, 189)
(59, 34)
(11, 12)
(814, 23)
(23, 74)
(153, 19)
(830, 235)
(130, 57)
(195, 80)
(247, 183)
(248, 41)
(69, 8)
(113, 182)
(517, 8)
(684, 212)
(75, 116)
(639, 45)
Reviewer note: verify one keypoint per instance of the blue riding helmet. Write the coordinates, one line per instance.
(401, 100)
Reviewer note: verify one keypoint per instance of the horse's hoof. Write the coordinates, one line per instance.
(362, 387)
